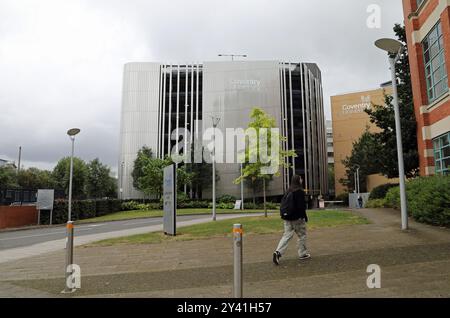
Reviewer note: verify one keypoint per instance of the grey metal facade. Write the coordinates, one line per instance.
(159, 98)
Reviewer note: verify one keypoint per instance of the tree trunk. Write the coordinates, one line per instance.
(264, 190)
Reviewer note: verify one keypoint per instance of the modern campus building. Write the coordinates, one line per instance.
(159, 98)
(428, 34)
(350, 121)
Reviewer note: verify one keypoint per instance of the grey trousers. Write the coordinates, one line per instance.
(290, 227)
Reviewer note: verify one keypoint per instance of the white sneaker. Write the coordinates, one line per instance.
(304, 257)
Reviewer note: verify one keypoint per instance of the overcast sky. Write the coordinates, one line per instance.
(61, 62)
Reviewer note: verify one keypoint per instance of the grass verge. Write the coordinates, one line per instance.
(129, 215)
(252, 225)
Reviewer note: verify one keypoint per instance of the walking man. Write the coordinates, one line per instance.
(293, 212)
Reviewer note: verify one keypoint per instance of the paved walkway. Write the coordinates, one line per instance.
(414, 264)
(12, 254)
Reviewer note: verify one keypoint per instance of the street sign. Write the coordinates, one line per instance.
(170, 200)
(237, 205)
(45, 199)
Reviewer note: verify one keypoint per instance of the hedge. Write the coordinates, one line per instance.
(81, 209)
(381, 191)
(428, 199)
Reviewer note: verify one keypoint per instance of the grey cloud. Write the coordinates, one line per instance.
(61, 62)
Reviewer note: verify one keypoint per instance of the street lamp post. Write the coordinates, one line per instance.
(70, 230)
(395, 47)
(358, 189)
(242, 186)
(121, 180)
(215, 122)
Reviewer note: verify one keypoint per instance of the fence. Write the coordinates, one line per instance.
(23, 196)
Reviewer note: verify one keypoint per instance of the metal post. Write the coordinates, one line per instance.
(357, 179)
(214, 176)
(70, 180)
(215, 122)
(121, 180)
(20, 159)
(242, 187)
(264, 190)
(69, 226)
(401, 169)
(237, 248)
(69, 256)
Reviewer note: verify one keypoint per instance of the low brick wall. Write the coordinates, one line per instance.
(16, 216)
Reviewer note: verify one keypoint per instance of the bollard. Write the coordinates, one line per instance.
(69, 256)
(237, 247)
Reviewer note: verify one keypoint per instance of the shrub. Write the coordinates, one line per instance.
(381, 191)
(83, 209)
(143, 206)
(392, 199)
(272, 205)
(226, 198)
(250, 206)
(130, 206)
(182, 200)
(375, 203)
(198, 204)
(343, 197)
(102, 207)
(428, 199)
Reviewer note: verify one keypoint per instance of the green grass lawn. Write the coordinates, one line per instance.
(251, 225)
(129, 215)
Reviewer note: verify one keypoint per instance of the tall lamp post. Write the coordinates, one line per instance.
(215, 122)
(358, 189)
(395, 49)
(69, 245)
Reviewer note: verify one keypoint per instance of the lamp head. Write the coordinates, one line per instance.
(73, 132)
(389, 45)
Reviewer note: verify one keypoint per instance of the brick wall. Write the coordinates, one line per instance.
(16, 216)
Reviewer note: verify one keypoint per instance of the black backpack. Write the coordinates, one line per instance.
(287, 206)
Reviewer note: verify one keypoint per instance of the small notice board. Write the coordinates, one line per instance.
(170, 200)
(45, 199)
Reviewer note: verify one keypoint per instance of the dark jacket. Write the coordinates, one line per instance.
(300, 204)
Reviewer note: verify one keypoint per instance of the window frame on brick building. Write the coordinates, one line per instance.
(434, 63)
(441, 147)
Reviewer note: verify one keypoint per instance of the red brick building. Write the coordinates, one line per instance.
(428, 31)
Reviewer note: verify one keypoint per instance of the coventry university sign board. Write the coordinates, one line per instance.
(170, 200)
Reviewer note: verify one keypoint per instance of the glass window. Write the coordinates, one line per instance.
(442, 154)
(435, 68)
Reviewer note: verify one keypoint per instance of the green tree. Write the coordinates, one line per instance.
(253, 172)
(99, 182)
(383, 117)
(365, 155)
(331, 176)
(34, 178)
(148, 173)
(61, 175)
(143, 155)
(8, 177)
